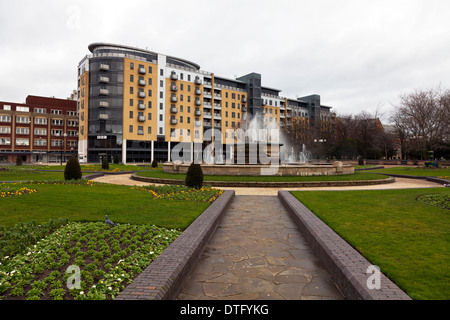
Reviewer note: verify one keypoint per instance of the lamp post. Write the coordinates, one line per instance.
(62, 144)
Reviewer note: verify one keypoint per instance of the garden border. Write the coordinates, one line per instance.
(165, 277)
(268, 184)
(347, 267)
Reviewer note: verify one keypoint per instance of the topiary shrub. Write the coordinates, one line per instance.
(116, 159)
(194, 176)
(154, 164)
(72, 171)
(105, 164)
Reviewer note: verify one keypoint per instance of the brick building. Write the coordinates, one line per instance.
(39, 130)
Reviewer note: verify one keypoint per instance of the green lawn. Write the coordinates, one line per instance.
(414, 171)
(159, 173)
(409, 240)
(122, 204)
(45, 172)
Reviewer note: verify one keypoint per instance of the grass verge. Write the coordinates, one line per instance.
(159, 173)
(408, 239)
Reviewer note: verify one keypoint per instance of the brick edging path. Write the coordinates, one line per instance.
(164, 278)
(347, 267)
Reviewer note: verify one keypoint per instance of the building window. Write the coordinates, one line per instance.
(131, 66)
(131, 114)
(5, 141)
(57, 143)
(149, 130)
(42, 121)
(6, 107)
(22, 120)
(5, 130)
(56, 111)
(22, 142)
(23, 109)
(40, 110)
(131, 102)
(131, 90)
(22, 130)
(140, 130)
(131, 78)
(131, 129)
(57, 122)
(40, 142)
(55, 132)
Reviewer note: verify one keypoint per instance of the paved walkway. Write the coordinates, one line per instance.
(257, 252)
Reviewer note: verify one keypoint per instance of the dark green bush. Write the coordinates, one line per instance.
(116, 159)
(154, 164)
(194, 176)
(72, 170)
(105, 164)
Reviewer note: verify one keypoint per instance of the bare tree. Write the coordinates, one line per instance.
(422, 120)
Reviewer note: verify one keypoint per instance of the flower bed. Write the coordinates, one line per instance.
(104, 259)
(9, 191)
(179, 192)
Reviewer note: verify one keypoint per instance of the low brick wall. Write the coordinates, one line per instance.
(288, 184)
(347, 267)
(164, 278)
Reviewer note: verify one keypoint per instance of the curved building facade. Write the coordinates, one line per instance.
(136, 104)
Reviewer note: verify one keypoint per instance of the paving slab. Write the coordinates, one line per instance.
(257, 252)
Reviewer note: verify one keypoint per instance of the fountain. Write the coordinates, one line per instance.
(255, 151)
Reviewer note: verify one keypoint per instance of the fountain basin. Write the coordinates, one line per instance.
(328, 169)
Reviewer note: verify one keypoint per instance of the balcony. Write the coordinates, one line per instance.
(217, 125)
(104, 92)
(208, 84)
(141, 106)
(104, 67)
(198, 81)
(173, 110)
(104, 104)
(141, 82)
(197, 123)
(207, 94)
(103, 80)
(141, 94)
(173, 121)
(173, 76)
(206, 123)
(207, 115)
(142, 71)
(103, 116)
(173, 88)
(206, 105)
(173, 99)
(141, 118)
(198, 91)
(217, 116)
(244, 99)
(217, 96)
(197, 113)
(198, 102)
(217, 106)
(244, 109)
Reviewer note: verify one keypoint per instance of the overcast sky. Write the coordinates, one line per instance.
(357, 54)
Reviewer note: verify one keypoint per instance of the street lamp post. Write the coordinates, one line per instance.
(62, 145)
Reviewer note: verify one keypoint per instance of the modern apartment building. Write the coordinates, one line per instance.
(138, 104)
(39, 130)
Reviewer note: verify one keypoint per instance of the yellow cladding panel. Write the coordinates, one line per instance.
(84, 106)
(140, 112)
(180, 115)
(232, 110)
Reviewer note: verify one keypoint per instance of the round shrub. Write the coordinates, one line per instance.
(154, 163)
(72, 170)
(116, 159)
(194, 176)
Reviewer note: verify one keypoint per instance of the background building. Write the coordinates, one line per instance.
(138, 104)
(39, 130)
